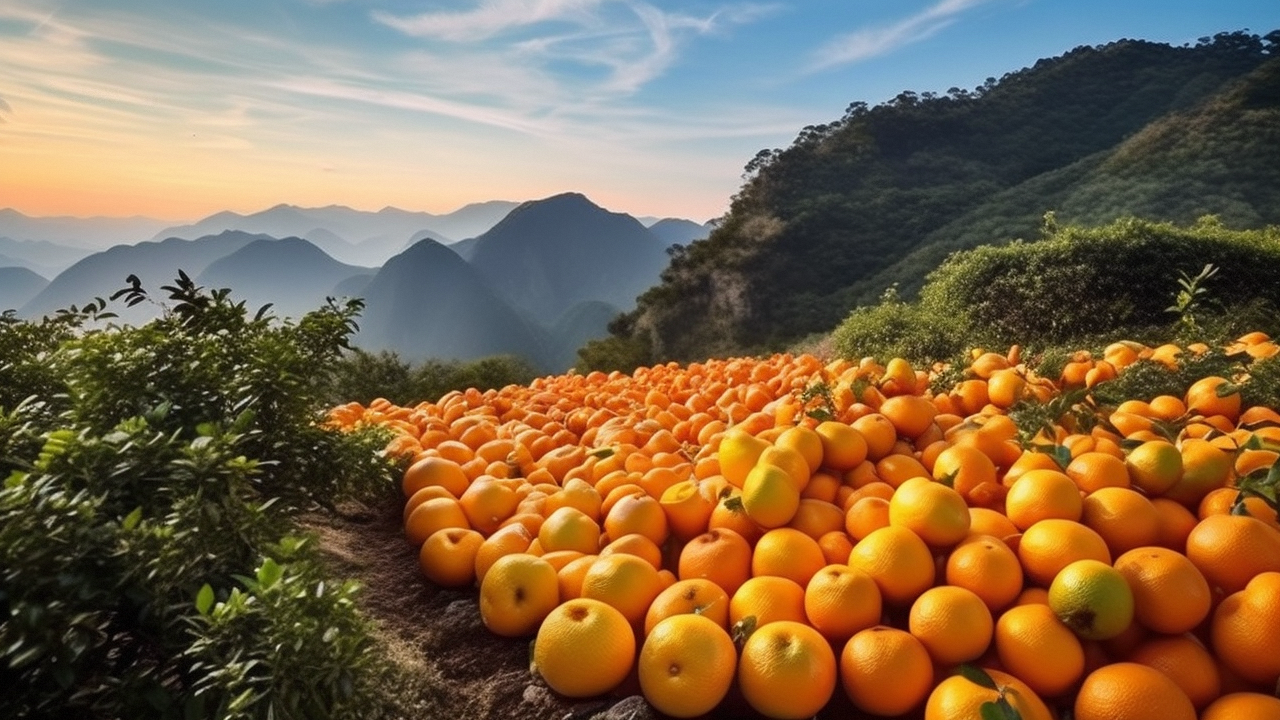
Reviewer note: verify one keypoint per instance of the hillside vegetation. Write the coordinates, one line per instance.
(883, 194)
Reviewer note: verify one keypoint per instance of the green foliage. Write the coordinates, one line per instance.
(148, 469)
(362, 376)
(895, 328)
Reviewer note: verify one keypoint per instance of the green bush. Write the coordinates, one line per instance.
(148, 471)
(363, 376)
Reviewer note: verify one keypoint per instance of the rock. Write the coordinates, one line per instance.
(633, 707)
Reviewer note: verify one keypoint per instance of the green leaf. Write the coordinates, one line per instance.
(603, 453)
(999, 710)
(977, 676)
(204, 600)
(132, 519)
(269, 572)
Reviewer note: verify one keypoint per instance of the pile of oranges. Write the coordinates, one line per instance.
(789, 529)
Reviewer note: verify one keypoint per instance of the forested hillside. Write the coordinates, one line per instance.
(883, 194)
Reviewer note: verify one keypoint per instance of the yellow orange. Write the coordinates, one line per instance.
(787, 670)
(584, 648)
(687, 665)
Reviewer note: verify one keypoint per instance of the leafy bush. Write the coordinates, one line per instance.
(362, 376)
(149, 469)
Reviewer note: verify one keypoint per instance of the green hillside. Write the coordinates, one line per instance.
(885, 193)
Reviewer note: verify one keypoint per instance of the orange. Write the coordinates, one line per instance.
(1093, 599)
(1123, 517)
(1231, 549)
(789, 460)
(508, 540)
(768, 598)
(569, 529)
(885, 671)
(1154, 467)
(1170, 595)
(1176, 523)
(569, 576)
(931, 510)
(1094, 470)
(836, 546)
(898, 467)
(1204, 398)
(694, 595)
(787, 670)
(730, 515)
(516, 594)
(430, 492)
(985, 521)
(843, 447)
(816, 518)
(964, 467)
(911, 415)
(448, 557)
(719, 555)
(952, 622)
(577, 493)
(434, 471)
(1255, 706)
(686, 665)
(988, 568)
(839, 601)
(1005, 387)
(1204, 467)
(687, 509)
(898, 560)
(626, 582)
(958, 698)
(1050, 545)
(1186, 661)
(1133, 692)
(488, 502)
(635, 544)
(1223, 501)
(432, 515)
(808, 442)
(1245, 630)
(789, 553)
(637, 512)
(1041, 494)
(769, 496)
(878, 432)
(867, 514)
(584, 648)
(1039, 650)
(738, 452)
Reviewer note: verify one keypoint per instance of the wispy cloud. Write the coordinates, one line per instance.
(490, 18)
(871, 42)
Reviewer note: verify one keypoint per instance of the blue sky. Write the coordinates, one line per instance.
(179, 108)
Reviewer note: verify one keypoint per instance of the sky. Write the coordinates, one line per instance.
(176, 109)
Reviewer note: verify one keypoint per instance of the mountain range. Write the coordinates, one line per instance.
(537, 282)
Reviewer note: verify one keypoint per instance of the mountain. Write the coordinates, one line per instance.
(90, 233)
(43, 256)
(881, 194)
(17, 286)
(471, 220)
(292, 274)
(585, 321)
(427, 302)
(155, 264)
(678, 231)
(548, 255)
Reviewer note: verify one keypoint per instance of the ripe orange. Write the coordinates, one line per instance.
(1203, 398)
(635, 544)
(738, 452)
(448, 557)
(910, 415)
(790, 460)
(1231, 549)
(836, 546)
(985, 521)
(931, 510)
(694, 595)
(1094, 470)
(508, 540)
(1041, 494)
(1186, 661)
(787, 670)
(769, 496)
(789, 553)
(768, 598)
(808, 442)
(1154, 467)
(1050, 545)
(569, 576)
(1170, 594)
(434, 471)
(1093, 599)
(865, 515)
(688, 510)
(898, 560)
(958, 698)
(878, 432)
(686, 665)
(1176, 523)
(569, 529)
(885, 671)
(1245, 630)
(988, 568)
(1123, 517)
(584, 648)
(1204, 468)
(626, 582)
(952, 622)
(839, 601)
(1131, 691)
(719, 555)
(1038, 649)
(637, 512)
(965, 468)
(1252, 705)
(516, 594)
(816, 518)
(432, 515)
(843, 447)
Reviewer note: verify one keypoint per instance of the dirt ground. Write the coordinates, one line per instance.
(466, 671)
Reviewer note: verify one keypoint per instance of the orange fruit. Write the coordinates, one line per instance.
(1186, 661)
(878, 432)
(430, 492)
(1245, 630)
(688, 510)
(768, 598)
(816, 518)
(448, 556)
(1154, 467)
(910, 415)
(1252, 705)
(432, 515)
(1204, 398)
(1123, 517)
(867, 514)
(693, 595)
(569, 576)
(789, 553)
(1231, 549)
(899, 467)
(719, 555)
(898, 560)
(686, 665)
(988, 568)
(1204, 468)
(1005, 387)
(584, 648)
(508, 540)
(787, 670)
(1041, 494)
(931, 510)
(1093, 599)
(843, 447)
(1131, 691)
(836, 546)
(1170, 594)
(434, 471)
(952, 622)
(488, 502)
(1037, 648)
(635, 544)
(569, 529)
(637, 512)
(738, 452)
(964, 467)
(626, 582)
(769, 496)
(516, 594)
(1094, 470)
(958, 698)
(1176, 523)
(839, 601)
(1048, 546)
(885, 671)
(985, 521)
(789, 460)
(807, 441)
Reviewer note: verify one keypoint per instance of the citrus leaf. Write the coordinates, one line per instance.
(977, 676)
(999, 710)
(204, 599)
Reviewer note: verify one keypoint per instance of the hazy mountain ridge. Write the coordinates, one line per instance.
(292, 274)
(18, 285)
